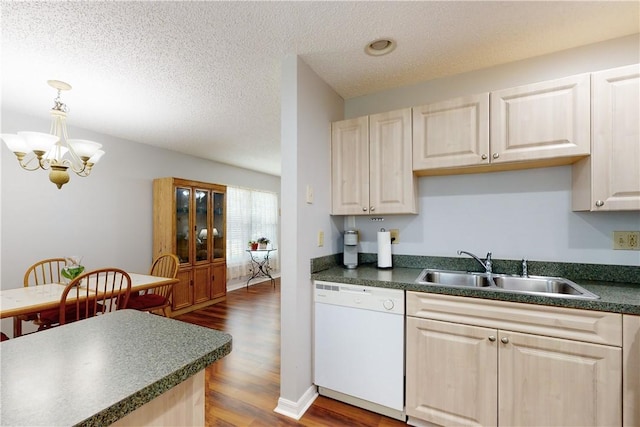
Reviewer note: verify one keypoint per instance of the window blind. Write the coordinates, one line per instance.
(251, 214)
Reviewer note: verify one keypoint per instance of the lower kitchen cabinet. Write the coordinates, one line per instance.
(450, 369)
(631, 370)
(552, 382)
(474, 362)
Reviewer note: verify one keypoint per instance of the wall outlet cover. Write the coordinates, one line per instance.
(626, 240)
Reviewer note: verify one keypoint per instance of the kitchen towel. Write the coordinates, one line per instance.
(384, 249)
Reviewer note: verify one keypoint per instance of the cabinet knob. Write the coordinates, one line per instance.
(504, 340)
(599, 203)
(492, 338)
(496, 155)
(484, 157)
(364, 209)
(371, 209)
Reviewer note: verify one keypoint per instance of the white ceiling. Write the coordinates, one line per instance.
(203, 78)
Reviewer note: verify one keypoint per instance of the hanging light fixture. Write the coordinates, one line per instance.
(36, 150)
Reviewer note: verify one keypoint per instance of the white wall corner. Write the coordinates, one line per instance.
(297, 409)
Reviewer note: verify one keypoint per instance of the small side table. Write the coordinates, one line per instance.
(260, 265)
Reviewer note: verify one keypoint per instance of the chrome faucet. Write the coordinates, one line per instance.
(486, 264)
(525, 269)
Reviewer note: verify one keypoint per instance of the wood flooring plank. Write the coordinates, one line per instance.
(243, 388)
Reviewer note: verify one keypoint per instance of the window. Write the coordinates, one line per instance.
(250, 214)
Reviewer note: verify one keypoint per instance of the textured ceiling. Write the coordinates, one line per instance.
(203, 78)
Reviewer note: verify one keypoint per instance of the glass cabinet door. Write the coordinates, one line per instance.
(218, 226)
(183, 213)
(202, 225)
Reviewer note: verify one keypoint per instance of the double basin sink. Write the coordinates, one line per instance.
(533, 285)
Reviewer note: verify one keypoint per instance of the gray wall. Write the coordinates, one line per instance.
(308, 106)
(514, 214)
(107, 217)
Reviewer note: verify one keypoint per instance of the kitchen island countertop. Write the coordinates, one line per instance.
(614, 297)
(96, 371)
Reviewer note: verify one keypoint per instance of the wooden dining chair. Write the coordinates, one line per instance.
(158, 298)
(40, 273)
(90, 294)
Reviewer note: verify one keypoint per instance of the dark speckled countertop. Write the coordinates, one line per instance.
(96, 371)
(621, 295)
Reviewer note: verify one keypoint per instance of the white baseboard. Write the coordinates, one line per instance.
(232, 285)
(297, 409)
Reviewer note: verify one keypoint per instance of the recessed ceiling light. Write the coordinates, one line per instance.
(380, 47)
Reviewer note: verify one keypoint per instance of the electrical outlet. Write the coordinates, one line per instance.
(320, 238)
(626, 240)
(395, 235)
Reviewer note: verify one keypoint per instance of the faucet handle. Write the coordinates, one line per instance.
(488, 256)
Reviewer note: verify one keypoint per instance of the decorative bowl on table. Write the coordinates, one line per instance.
(72, 269)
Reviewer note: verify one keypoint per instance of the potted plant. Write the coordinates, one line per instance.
(262, 242)
(253, 245)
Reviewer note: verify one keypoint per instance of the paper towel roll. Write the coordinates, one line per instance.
(384, 249)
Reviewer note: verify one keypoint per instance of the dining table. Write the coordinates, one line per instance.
(34, 299)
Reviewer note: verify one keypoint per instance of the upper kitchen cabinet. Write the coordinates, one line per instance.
(609, 180)
(371, 165)
(452, 133)
(535, 125)
(545, 120)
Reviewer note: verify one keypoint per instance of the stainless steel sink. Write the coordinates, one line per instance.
(534, 285)
(552, 286)
(453, 278)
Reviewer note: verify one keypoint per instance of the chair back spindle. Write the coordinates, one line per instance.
(94, 293)
(45, 271)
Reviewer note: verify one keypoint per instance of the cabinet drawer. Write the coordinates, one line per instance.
(569, 323)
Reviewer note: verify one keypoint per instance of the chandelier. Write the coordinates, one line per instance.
(54, 151)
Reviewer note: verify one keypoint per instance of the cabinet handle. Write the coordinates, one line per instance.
(496, 155)
(484, 157)
(371, 209)
(492, 338)
(364, 209)
(504, 340)
(599, 203)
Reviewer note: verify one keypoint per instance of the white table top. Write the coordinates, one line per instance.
(33, 299)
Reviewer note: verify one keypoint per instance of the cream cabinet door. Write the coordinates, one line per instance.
(451, 373)
(554, 382)
(392, 187)
(451, 133)
(615, 153)
(350, 167)
(541, 121)
(631, 370)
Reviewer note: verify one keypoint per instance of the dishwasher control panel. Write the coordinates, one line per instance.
(364, 297)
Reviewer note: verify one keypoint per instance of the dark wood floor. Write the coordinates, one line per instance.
(243, 388)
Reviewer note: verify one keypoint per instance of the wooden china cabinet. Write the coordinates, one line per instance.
(189, 220)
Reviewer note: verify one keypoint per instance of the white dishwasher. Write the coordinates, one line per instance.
(359, 346)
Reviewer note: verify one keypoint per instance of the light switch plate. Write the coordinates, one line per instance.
(320, 238)
(309, 194)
